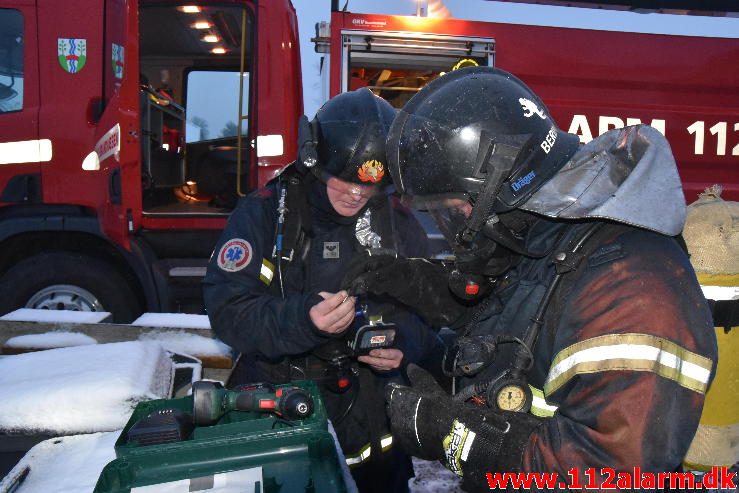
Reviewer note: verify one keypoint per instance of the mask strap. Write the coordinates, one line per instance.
(497, 161)
(307, 143)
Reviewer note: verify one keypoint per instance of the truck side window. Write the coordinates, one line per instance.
(11, 60)
(210, 117)
(115, 68)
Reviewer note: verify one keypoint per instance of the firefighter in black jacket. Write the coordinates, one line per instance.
(272, 286)
(585, 341)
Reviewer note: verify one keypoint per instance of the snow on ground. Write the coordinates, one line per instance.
(431, 476)
(81, 389)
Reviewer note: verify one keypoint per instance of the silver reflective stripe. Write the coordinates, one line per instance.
(539, 405)
(266, 270)
(635, 352)
(386, 441)
(721, 293)
(25, 151)
(362, 456)
(468, 445)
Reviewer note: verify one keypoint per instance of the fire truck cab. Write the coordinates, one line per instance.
(128, 130)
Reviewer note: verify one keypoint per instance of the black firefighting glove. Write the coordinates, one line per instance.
(420, 284)
(725, 313)
(470, 440)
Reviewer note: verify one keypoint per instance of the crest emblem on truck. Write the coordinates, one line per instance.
(117, 60)
(72, 53)
(371, 171)
(530, 109)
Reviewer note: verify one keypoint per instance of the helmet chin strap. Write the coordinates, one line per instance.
(496, 159)
(307, 142)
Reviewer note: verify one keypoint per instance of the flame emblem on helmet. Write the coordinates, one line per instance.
(371, 171)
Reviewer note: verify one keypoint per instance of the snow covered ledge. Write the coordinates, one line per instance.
(32, 330)
(81, 389)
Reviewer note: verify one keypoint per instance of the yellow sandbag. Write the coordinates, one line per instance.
(712, 235)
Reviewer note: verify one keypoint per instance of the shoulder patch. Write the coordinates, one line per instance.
(234, 255)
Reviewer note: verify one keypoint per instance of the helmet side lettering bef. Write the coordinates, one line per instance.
(346, 139)
(472, 126)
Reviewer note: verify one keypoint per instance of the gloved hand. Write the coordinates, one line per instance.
(366, 262)
(470, 440)
(417, 283)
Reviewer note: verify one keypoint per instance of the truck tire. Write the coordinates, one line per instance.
(67, 281)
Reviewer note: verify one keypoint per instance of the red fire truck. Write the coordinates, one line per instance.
(592, 81)
(128, 128)
(127, 131)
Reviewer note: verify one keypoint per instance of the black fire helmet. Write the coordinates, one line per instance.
(346, 139)
(477, 133)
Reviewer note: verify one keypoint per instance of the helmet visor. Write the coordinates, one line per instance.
(449, 214)
(429, 158)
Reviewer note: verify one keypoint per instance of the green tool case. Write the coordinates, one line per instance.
(242, 452)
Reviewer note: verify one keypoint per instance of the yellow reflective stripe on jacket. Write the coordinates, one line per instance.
(365, 452)
(539, 405)
(266, 272)
(634, 352)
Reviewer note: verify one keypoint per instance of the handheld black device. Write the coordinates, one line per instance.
(378, 335)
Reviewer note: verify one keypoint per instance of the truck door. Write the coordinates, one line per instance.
(195, 65)
(397, 65)
(196, 100)
(21, 150)
(115, 148)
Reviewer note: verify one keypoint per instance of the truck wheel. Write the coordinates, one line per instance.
(65, 281)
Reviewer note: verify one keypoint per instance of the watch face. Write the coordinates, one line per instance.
(511, 398)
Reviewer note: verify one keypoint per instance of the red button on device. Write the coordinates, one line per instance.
(472, 288)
